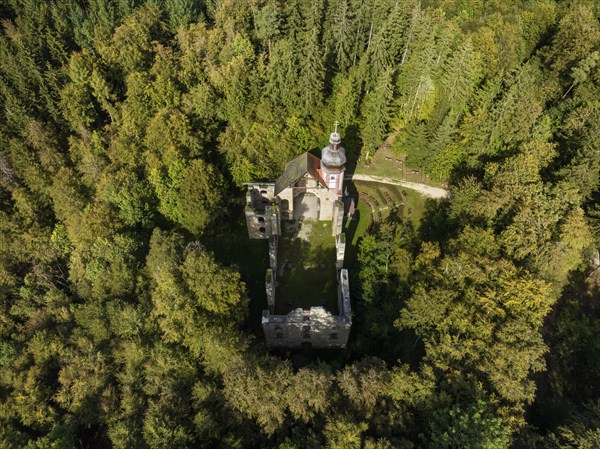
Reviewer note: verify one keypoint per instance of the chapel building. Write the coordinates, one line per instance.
(302, 215)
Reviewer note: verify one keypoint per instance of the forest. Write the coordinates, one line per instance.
(127, 130)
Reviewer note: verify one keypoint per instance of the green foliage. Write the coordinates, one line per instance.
(578, 32)
(477, 312)
(181, 12)
(131, 45)
(200, 197)
(364, 384)
(132, 197)
(190, 195)
(255, 389)
(214, 288)
(375, 112)
(581, 432)
(191, 290)
(385, 256)
(343, 433)
(468, 426)
(123, 127)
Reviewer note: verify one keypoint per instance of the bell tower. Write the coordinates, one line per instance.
(333, 163)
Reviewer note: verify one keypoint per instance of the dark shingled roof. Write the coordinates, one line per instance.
(333, 155)
(296, 169)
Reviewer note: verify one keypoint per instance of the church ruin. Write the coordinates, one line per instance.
(301, 214)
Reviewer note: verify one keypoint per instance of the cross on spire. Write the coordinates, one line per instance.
(336, 123)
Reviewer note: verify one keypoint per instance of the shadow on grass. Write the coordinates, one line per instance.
(307, 276)
(230, 244)
(435, 224)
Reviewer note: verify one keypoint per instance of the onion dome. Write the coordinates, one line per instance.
(333, 155)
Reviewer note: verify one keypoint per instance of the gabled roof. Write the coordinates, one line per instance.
(296, 169)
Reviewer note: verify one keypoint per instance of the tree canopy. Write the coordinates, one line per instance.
(127, 129)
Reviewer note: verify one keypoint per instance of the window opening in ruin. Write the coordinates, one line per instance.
(261, 230)
(305, 331)
(261, 219)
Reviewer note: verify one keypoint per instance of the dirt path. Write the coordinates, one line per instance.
(432, 192)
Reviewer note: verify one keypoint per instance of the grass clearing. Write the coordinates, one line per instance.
(386, 163)
(306, 274)
(358, 225)
(414, 207)
(412, 204)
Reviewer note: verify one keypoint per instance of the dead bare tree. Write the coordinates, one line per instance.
(7, 175)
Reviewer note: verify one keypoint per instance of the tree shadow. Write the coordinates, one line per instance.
(572, 332)
(352, 142)
(436, 225)
(374, 330)
(228, 240)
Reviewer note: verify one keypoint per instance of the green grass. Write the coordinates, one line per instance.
(359, 224)
(376, 190)
(391, 168)
(306, 284)
(395, 193)
(415, 202)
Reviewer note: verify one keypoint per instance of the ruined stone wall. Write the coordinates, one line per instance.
(315, 327)
(327, 199)
(270, 288)
(273, 243)
(287, 199)
(340, 250)
(262, 215)
(344, 295)
(338, 218)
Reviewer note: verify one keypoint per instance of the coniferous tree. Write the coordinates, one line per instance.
(375, 111)
(122, 124)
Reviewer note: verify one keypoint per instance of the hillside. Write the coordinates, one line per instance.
(130, 294)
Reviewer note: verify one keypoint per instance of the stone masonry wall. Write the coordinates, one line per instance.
(316, 327)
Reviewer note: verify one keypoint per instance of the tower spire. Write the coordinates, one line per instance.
(333, 161)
